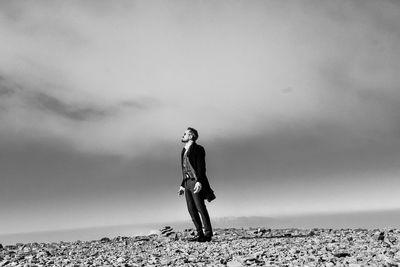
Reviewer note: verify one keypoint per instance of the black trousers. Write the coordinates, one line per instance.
(197, 208)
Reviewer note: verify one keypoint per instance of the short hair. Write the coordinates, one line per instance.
(194, 132)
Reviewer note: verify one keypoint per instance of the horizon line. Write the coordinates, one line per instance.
(305, 214)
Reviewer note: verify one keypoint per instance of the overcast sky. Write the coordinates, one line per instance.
(297, 104)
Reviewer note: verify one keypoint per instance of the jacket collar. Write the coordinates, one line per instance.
(189, 151)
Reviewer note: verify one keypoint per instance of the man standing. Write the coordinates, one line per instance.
(195, 184)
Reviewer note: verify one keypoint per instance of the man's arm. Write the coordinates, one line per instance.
(181, 190)
(200, 169)
(201, 164)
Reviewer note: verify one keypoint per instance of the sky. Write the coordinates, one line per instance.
(297, 104)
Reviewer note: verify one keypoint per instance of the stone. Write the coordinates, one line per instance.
(165, 261)
(234, 263)
(342, 254)
(381, 236)
(105, 240)
(121, 260)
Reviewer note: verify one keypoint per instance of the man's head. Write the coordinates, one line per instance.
(190, 134)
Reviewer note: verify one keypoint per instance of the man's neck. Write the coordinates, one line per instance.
(188, 144)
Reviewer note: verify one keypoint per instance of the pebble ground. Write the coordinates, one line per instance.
(229, 247)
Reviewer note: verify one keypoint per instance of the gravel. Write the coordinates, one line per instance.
(229, 247)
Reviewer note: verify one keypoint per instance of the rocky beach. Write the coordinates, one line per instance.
(229, 247)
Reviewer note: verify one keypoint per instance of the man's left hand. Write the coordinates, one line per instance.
(197, 187)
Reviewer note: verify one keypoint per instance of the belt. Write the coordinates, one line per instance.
(187, 177)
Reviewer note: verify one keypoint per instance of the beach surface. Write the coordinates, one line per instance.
(229, 247)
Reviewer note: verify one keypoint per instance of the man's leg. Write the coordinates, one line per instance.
(191, 205)
(201, 208)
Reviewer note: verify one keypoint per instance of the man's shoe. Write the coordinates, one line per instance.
(204, 239)
(195, 239)
(200, 239)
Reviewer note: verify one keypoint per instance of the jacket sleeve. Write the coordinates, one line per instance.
(183, 177)
(201, 165)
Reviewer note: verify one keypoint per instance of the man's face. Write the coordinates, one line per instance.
(187, 135)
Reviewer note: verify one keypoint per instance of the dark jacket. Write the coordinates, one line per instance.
(197, 158)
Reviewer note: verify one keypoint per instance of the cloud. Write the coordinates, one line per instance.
(41, 99)
(117, 71)
(34, 111)
(81, 112)
(54, 105)
(6, 89)
(296, 102)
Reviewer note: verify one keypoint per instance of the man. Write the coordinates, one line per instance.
(195, 184)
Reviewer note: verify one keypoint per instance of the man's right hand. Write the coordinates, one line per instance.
(181, 191)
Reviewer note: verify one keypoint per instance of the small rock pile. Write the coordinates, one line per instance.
(169, 234)
(167, 231)
(229, 247)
